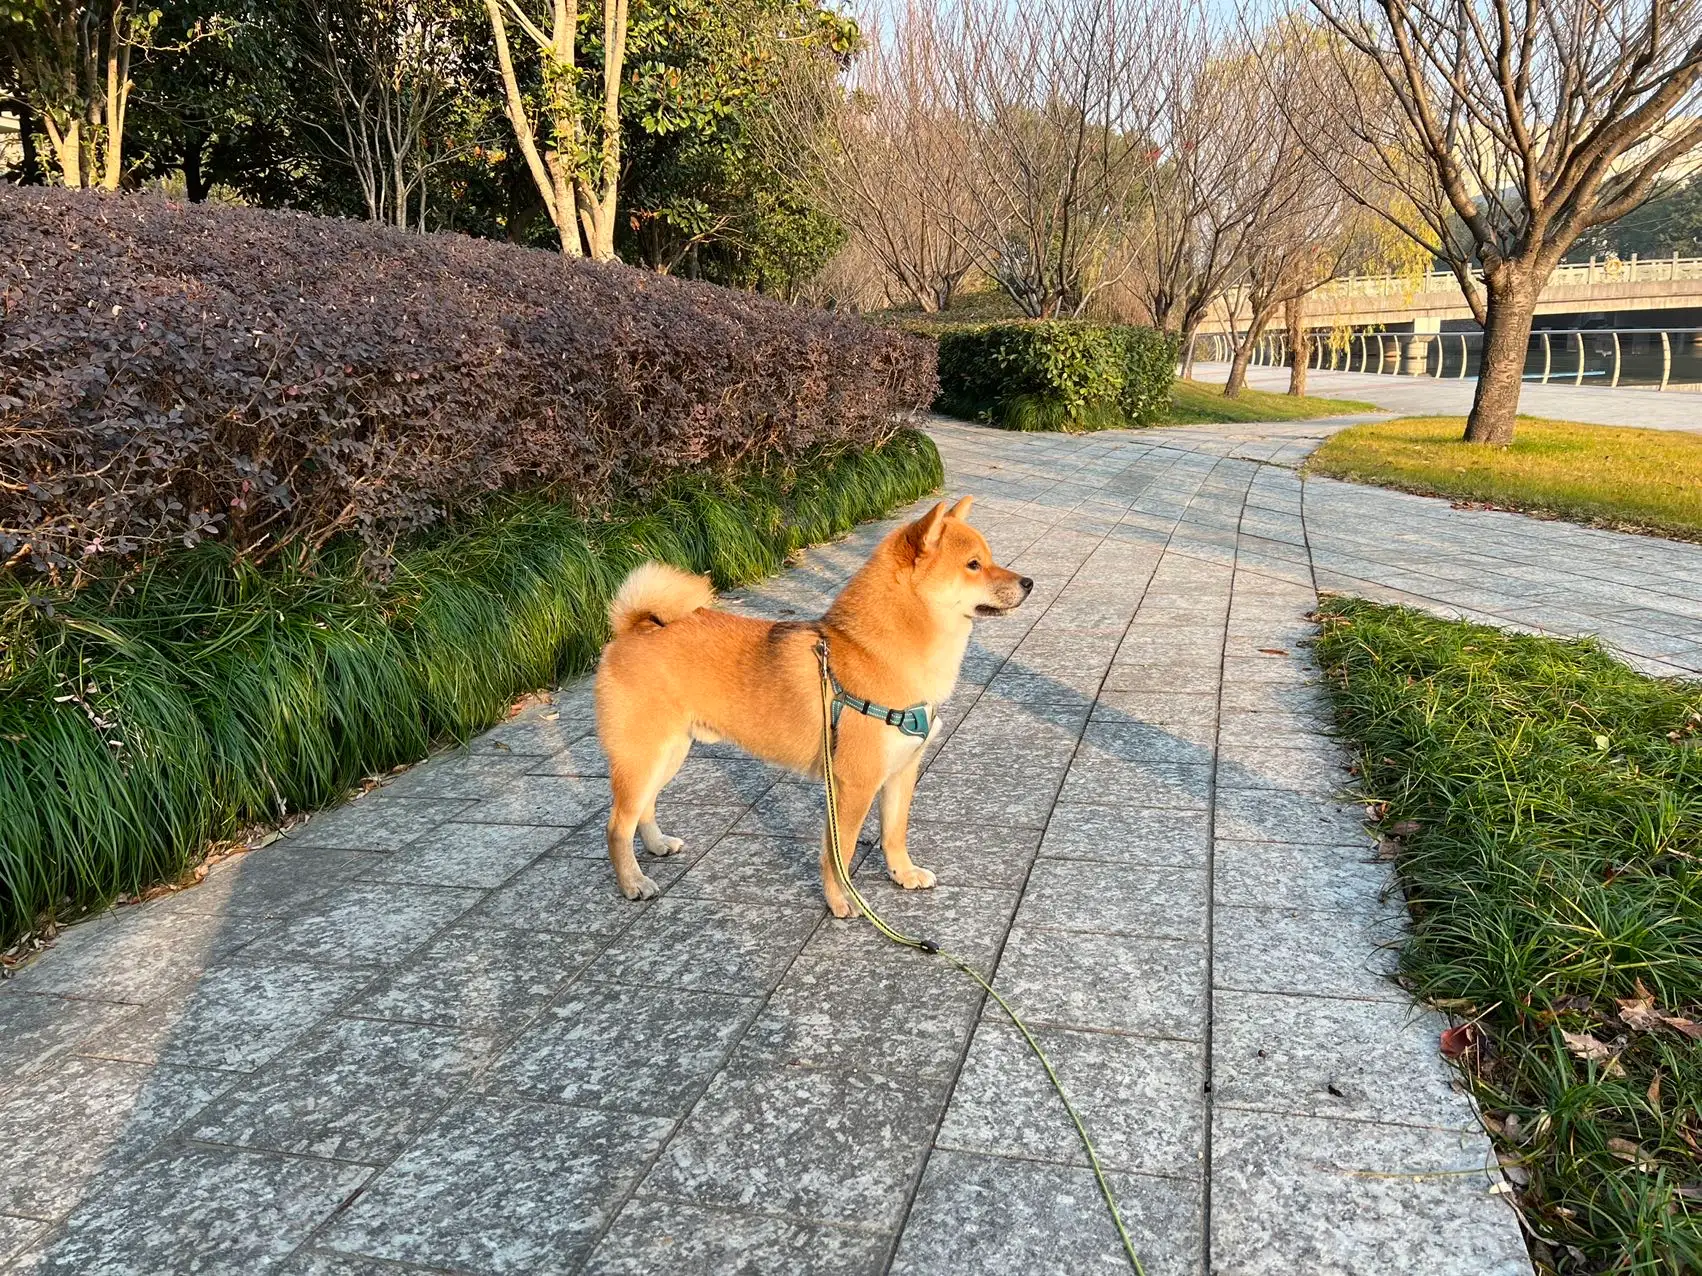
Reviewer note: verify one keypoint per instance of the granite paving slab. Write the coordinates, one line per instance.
(198, 1210)
(502, 1186)
(355, 1090)
(425, 1032)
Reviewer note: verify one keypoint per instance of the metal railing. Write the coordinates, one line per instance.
(1597, 270)
(1643, 358)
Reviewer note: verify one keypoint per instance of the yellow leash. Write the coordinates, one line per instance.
(842, 869)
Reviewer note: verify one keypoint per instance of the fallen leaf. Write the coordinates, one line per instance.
(1587, 1047)
(1272, 651)
(1513, 1128)
(1626, 1150)
(549, 717)
(1655, 1092)
(1458, 1039)
(1388, 848)
(1519, 1174)
(1639, 1013)
(1689, 1027)
(1404, 828)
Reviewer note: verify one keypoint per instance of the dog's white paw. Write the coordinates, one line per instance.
(668, 846)
(914, 878)
(643, 888)
(843, 907)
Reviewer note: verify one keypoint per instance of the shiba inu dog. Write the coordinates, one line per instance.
(677, 671)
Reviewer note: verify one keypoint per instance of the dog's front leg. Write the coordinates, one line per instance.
(896, 795)
(856, 783)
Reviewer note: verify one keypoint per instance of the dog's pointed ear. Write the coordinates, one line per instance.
(924, 534)
(961, 509)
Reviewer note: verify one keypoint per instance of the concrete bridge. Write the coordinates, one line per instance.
(1599, 286)
(1605, 321)
(1634, 292)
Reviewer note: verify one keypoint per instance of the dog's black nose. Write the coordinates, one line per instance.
(1026, 583)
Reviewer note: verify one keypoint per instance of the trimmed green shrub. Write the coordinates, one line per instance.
(153, 711)
(1056, 375)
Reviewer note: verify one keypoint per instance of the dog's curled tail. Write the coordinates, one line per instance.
(655, 594)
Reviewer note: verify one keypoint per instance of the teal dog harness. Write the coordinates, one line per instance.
(914, 721)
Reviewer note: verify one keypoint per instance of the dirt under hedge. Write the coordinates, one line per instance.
(171, 373)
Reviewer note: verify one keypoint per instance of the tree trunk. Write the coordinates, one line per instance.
(1190, 334)
(1244, 354)
(1510, 301)
(1238, 371)
(30, 174)
(1299, 347)
(548, 173)
(117, 97)
(195, 186)
(67, 150)
(597, 208)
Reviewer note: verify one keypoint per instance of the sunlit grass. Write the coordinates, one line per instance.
(1544, 804)
(145, 717)
(1647, 480)
(1196, 403)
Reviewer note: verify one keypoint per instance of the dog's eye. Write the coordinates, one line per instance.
(975, 564)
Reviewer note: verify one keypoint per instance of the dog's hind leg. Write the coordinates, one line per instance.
(655, 840)
(896, 794)
(634, 785)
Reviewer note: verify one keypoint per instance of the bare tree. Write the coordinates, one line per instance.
(1297, 229)
(577, 182)
(1198, 204)
(1057, 102)
(1511, 127)
(853, 279)
(389, 67)
(884, 154)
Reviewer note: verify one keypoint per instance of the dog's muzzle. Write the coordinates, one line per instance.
(1025, 583)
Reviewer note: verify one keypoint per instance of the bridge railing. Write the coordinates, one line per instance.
(1597, 270)
(1643, 358)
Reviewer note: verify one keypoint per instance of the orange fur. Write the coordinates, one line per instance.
(679, 671)
(654, 595)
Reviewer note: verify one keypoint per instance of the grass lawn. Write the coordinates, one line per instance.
(1643, 480)
(1542, 804)
(1194, 403)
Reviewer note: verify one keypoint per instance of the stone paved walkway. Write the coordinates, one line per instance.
(424, 1033)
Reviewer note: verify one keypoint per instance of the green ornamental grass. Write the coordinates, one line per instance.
(1544, 813)
(144, 717)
